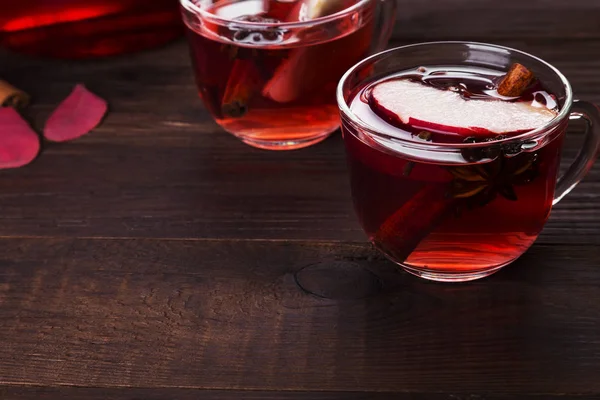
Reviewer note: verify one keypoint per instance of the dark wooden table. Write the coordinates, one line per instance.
(155, 258)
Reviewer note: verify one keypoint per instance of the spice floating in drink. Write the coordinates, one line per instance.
(491, 200)
(515, 81)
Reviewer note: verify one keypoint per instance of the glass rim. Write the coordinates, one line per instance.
(198, 10)
(529, 135)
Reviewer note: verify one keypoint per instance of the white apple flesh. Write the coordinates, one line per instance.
(402, 102)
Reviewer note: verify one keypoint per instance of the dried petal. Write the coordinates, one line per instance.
(19, 144)
(77, 115)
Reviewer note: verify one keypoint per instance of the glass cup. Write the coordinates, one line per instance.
(404, 191)
(272, 84)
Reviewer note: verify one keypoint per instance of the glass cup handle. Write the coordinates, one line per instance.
(384, 27)
(587, 154)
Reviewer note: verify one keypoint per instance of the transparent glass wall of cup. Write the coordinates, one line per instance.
(76, 29)
(411, 218)
(270, 83)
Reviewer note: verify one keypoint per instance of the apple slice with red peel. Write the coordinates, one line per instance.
(282, 10)
(403, 102)
(289, 80)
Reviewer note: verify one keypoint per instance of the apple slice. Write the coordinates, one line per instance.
(320, 8)
(288, 82)
(282, 9)
(402, 102)
(305, 10)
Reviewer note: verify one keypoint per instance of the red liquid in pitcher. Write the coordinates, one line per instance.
(87, 28)
(273, 86)
(474, 210)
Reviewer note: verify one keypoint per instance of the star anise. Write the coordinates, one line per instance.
(482, 183)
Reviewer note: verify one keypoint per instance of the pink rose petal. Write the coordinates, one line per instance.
(19, 144)
(77, 115)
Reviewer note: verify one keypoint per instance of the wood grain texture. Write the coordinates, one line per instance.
(22, 393)
(159, 167)
(223, 314)
(424, 20)
(157, 258)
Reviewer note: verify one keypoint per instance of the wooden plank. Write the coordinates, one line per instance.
(424, 20)
(217, 314)
(20, 393)
(158, 167)
(492, 20)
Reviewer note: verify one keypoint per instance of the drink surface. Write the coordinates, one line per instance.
(87, 28)
(270, 85)
(452, 218)
(465, 96)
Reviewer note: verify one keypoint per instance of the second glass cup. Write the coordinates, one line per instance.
(447, 209)
(268, 75)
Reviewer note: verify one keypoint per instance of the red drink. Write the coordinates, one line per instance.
(87, 28)
(451, 216)
(270, 83)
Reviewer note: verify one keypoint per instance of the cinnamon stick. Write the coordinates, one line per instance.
(403, 231)
(10, 96)
(244, 82)
(515, 81)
